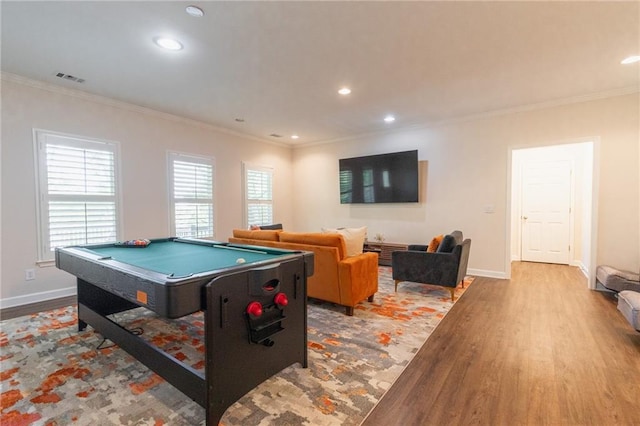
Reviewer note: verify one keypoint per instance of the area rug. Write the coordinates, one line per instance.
(53, 375)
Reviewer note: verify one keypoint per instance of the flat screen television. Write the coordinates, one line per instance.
(383, 178)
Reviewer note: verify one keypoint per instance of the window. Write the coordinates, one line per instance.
(191, 195)
(78, 192)
(258, 190)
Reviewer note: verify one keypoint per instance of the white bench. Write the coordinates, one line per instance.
(629, 305)
(616, 279)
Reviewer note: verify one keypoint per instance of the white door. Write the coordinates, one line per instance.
(546, 211)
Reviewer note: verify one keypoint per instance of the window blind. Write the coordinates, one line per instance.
(78, 193)
(192, 198)
(259, 195)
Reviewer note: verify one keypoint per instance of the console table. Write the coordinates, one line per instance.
(384, 250)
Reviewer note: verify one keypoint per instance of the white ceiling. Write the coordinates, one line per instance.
(278, 65)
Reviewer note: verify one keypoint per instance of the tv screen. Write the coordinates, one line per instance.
(384, 178)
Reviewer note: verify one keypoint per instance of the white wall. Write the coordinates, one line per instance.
(465, 167)
(144, 138)
(468, 169)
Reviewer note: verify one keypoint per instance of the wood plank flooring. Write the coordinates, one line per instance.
(32, 308)
(539, 349)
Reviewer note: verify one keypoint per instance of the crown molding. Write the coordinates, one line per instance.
(483, 115)
(410, 127)
(103, 100)
(547, 104)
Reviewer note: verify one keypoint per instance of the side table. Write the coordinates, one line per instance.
(384, 250)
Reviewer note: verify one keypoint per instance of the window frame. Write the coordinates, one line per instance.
(46, 256)
(246, 168)
(191, 158)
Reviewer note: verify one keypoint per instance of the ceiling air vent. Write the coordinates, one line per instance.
(69, 77)
(275, 135)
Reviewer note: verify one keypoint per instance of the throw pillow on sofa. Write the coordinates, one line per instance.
(447, 245)
(353, 238)
(435, 243)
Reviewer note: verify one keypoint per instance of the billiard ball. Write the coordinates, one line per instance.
(240, 260)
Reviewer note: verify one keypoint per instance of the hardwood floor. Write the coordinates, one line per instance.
(32, 308)
(539, 349)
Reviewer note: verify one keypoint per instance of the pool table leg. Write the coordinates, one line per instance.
(99, 300)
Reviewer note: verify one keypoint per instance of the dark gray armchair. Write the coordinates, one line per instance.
(446, 267)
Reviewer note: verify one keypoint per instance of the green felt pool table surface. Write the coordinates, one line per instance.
(175, 257)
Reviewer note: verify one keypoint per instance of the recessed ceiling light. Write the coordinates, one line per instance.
(168, 43)
(194, 11)
(344, 91)
(389, 119)
(295, 137)
(630, 60)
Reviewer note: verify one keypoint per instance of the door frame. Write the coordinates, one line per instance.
(590, 215)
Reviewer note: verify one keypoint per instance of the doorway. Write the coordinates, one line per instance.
(552, 205)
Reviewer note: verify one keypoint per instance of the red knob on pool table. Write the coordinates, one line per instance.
(254, 309)
(281, 299)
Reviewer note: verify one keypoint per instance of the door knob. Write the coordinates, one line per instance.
(524, 217)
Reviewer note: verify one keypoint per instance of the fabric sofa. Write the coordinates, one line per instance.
(338, 278)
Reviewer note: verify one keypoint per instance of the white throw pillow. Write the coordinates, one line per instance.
(353, 238)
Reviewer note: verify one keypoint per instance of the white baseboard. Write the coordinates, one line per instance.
(11, 302)
(487, 274)
(580, 265)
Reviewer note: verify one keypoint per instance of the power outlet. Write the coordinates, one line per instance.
(29, 274)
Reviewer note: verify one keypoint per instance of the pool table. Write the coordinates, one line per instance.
(253, 298)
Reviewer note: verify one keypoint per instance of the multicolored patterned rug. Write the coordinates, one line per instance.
(53, 375)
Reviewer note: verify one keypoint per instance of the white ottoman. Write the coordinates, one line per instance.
(629, 305)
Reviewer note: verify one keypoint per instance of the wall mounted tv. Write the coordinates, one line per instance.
(384, 178)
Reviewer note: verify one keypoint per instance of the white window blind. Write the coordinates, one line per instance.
(78, 201)
(258, 195)
(191, 196)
